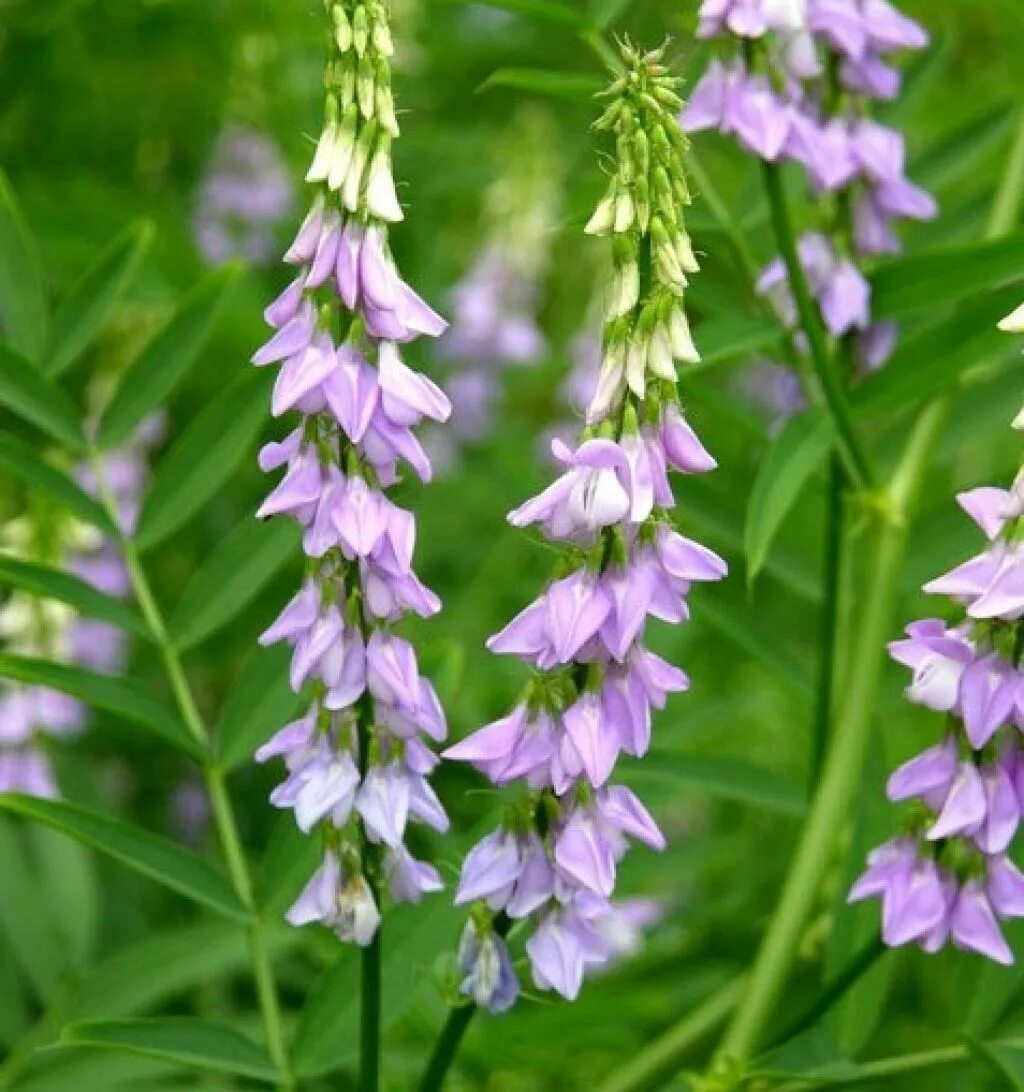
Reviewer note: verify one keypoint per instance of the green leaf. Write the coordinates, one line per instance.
(71, 888)
(27, 392)
(123, 697)
(936, 357)
(58, 1068)
(575, 86)
(197, 1044)
(603, 13)
(934, 278)
(167, 358)
(549, 11)
(1004, 1061)
(204, 457)
(157, 858)
(80, 315)
(797, 453)
(812, 1056)
(23, 311)
(26, 463)
(732, 337)
(955, 156)
(260, 702)
(48, 583)
(231, 577)
(725, 778)
(35, 943)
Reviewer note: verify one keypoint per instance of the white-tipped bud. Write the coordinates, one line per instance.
(366, 89)
(381, 198)
(1018, 421)
(342, 29)
(341, 154)
(386, 110)
(684, 252)
(625, 290)
(679, 334)
(360, 30)
(323, 157)
(660, 355)
(1014, 321)
(358, 916)
(382, 39)
(636, 366)
(604, 216)
(354, 179)
(609, 385)
(624, 212)
(668, 266)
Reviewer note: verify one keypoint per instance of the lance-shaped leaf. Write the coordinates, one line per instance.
(27, 464)
(27, 392)
(23, 311)
(546, 11)
(204, 457)
(731, 337)
(122, 697)
(165, 361)
(155, 857)
(231, 577)
(80, 315)
(798, 452)
(197, 1044)
(49, 583)
(933, 278)
(575, 86)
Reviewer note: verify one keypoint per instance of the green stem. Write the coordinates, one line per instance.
(844, 761)
(653, 1066)
(220, 801)
(851, 449)
(829, 618)
(446, 1047)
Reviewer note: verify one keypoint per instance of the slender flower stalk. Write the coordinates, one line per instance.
(357, 761)
(949, 876)
(549, 871)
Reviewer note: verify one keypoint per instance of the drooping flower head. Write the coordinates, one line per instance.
(358, 761)
(950, 877)
(552, 863)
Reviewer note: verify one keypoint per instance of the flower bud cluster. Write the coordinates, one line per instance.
(551, 866)
(358, 760)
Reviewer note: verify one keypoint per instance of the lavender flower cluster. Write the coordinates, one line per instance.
(30, 715)
(950, 876)
(358, 760)
(551, 866)
(799, 90)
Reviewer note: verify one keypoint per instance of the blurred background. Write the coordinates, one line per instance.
(199, 116)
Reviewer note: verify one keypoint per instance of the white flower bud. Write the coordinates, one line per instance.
(609, 386)
(679, 334)
(1014, 321)
(366, 89)
(668, 266)
(382, 39)
(386, 110)
(381, 199)
(636, 366)
(342, 29)
(624, 212)
(684, 252)
(323, 157)
(354, 178)
(341, 154)
(625, 290)
(358, 916)
(604, 216)
(659, 355)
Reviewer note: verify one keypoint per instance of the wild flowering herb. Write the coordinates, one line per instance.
(949, 877)
(244, 197)
(357, 761)
(551, 865)
(30, 716)
(799, 88)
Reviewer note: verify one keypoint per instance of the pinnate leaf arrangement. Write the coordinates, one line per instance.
(549, 869)
(949, 877)
(357, 762)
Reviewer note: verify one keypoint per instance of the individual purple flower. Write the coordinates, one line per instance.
(553, 862)
(357, 764)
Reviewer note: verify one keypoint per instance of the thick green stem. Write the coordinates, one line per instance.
(446, 1047)
(844, 761)
(851, 450)
(653, 1066)
(829, 618)
(220, 802)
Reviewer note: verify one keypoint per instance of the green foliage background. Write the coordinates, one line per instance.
(108, 113)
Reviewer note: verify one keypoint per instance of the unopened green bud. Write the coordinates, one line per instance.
(360, 30)
(342, 29)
